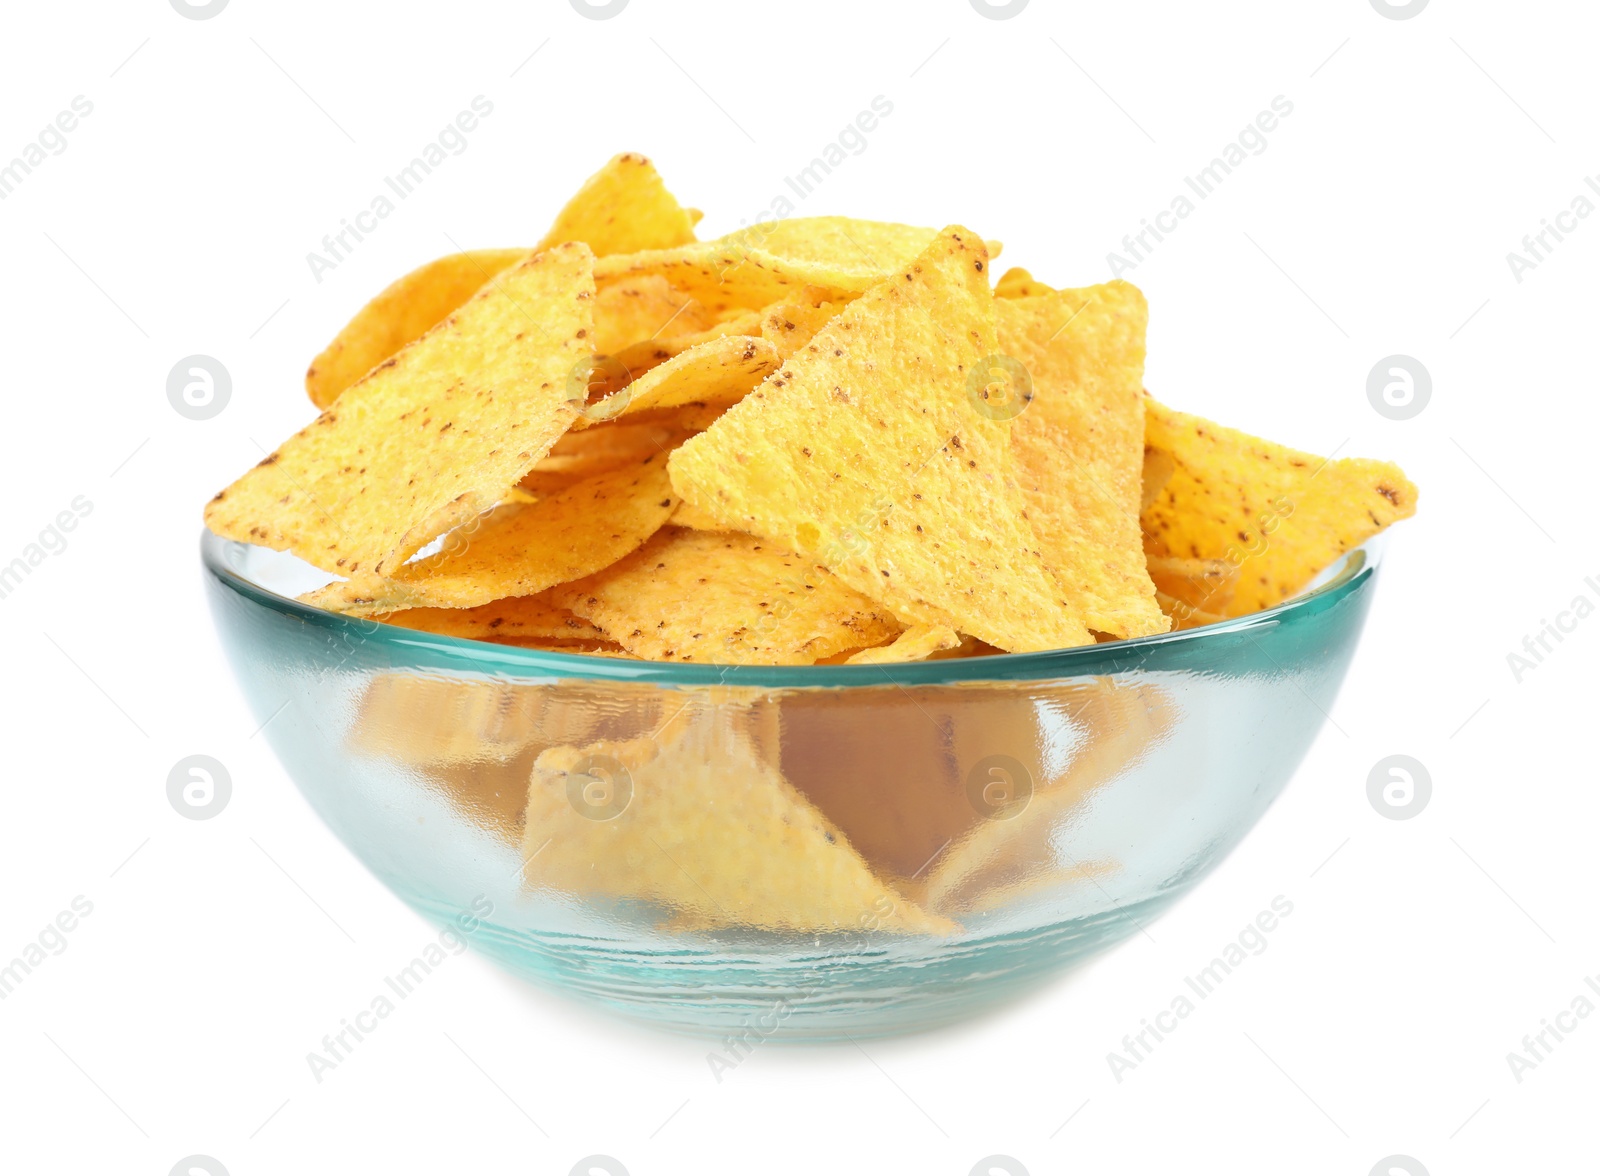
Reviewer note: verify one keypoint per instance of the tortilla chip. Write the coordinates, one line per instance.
(1281, 516)
(1184, 615)
(916, 644)
(584, 454)
(718, 372)
(1206, 584)
(405, 311)
(1158, 468)
(431, 438)
(702, 596)
(515, 618)
(518, 550)
(999, 860)
(789, 326)
(695, 519)
(866, 452)
(776, 260)
(623, 208)
(416, 720)
(701, 824)
(1017, 282)
(644, 308)
(1079, 446)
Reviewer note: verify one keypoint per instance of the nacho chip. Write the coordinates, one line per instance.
(774, 260)
(867, 452)
(415, 720)
(1184, 615)
(917, 643)
(643, 309)
(1206, 584)
(515, 618)
(1079, 445)
(701, 824)
(519, 550)
(432, 437)
(695, 519)
(1157, 472)
(789, 326)
(624, 207)
(717, 597)
(1017, 282)
(997, 861)
(1281, 516)
(405, 311)
(584, 454)
(718, 372)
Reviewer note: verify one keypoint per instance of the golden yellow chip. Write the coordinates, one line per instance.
(774, 261)
(1183, 614)
(998, 861)
(701, 824)
(584, 454)
(1279, 515)
(1158, 467)
(789, 326)
(868, 452)
(1017, 282)
(432, 437)
(1205, 584)
(416, 720)
(405, 310)
(695, 519)
(624, 207)
(717, 372)
(1079, 444)
(644, 309)
(917, 643)
(520, 549)
(515, 618)
(704, 596)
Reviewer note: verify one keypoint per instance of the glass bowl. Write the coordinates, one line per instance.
(785, 852)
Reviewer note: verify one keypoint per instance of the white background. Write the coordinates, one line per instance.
(1378, 220)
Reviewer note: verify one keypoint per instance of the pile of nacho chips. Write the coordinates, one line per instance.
(819, 440)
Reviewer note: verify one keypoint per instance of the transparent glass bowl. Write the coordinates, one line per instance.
(785, 852)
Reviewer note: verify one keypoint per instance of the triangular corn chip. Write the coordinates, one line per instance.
(406, 309)
(1205, 584)
(431, 438)
(701, 824)
(717, 372)
(644, 308)
(789, 326)
(519, 549)
(704, 596)
(1279, 515)
(1017, 282)
(1078, 445)
(868, 452)
(514, 618)
(623, 208)
(917, 643)
(774, 261)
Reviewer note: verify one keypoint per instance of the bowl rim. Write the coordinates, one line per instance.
(1349, 574)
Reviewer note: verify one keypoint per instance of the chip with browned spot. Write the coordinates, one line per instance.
(869, 451)
(712, 596)
(519, 549)
(404, 311)
(432, 437)
(701, 824)
(622, 208)
(1078, 435)
(1279, 515)
(514, 618)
